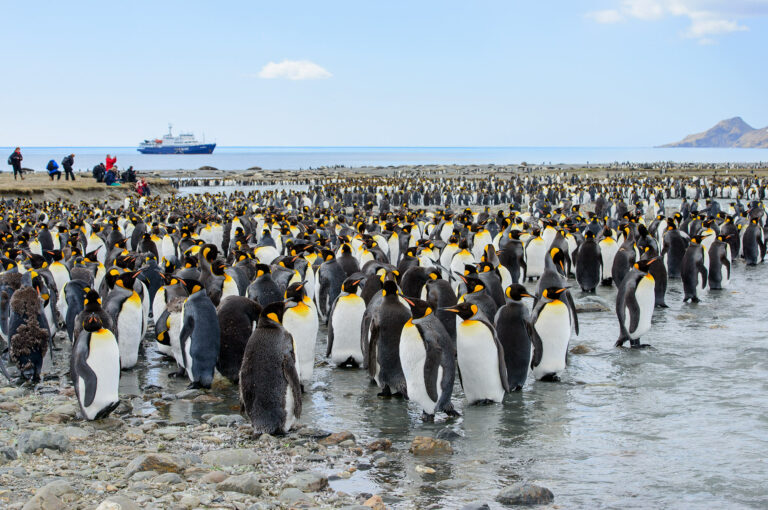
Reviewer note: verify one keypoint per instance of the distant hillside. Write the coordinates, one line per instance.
(727, 133)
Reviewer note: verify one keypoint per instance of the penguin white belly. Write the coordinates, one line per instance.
(229, 288)
(534, 254)
(553, 326)
(129, 330)
(168, 248)
(60, 274)
(174, 332)
(144, 309)
(608, 252)
(347, 320)
(302, 323)
(646, 300)
(290, 408)
(188, 359)
(158, 305)
(413, 356)
(478, 360)
(104, 360)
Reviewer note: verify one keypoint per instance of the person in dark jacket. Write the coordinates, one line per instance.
(15, 161)
(98, 172)
(67, 163)
(53, 170)
(110, 178)
(129, 175)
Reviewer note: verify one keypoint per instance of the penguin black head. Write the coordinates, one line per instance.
(126, 280)
(644, 265)
(553, 293)
(419, 307)
(464, 310)
(390, 288)
(346, 249)
(328, 255)
(272, 314)
(192, 286)
(218, 267)
(558, 257)
(351, 284)
(589, 234)
(262, 269)
(516, 292)
(698, 238)
(92, 301)
(296, 292)
(209, 252)
(93, 323)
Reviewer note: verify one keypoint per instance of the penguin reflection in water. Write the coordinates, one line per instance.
(270, 392)
(635, 301)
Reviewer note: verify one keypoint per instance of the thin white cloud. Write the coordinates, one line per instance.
(708, 18)
(608, 16)
(293, 70)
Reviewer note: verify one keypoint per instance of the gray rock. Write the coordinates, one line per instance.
(117, 503)
(158, 462)
(476, 506)
(231, 457)
(225, 420)
(75, 433)
(452, 484)
(355, 507)
(189, 501)
(247, 483)
(143, 475)
(525, 494)
(168, 478)
(308, 481)
(313, 433)
(449, 434)
(47, 497)
(292, 495)
(30, 442)
(7, 454)
(188, 394)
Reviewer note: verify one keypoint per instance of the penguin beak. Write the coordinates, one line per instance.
(452, 310)
(525, 294)
(408, 301)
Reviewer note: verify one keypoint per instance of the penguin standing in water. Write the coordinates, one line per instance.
(199, 338)
(428, 359)
(719, 264)
(753, 243)
(608, 249)
(384, 344)
(480, 356)
(658, 270)
(302, 323)
(71, 300)
(440, 296)
(270, 392)
(330, 276)
(635, 301)
(673, 252)
(344, 323)
(589, 263)
(95, 370)
(693, 271)
(237, 316)
(512, 324)
(550, 333)
(124, 305)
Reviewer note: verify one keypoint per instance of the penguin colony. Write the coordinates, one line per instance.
(416, 281)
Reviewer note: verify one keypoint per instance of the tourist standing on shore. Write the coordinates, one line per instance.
(15, 161)
(53, 170)
(111, 161)
(67, 163)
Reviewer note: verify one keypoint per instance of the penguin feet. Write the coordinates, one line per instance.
(385, 393)
(195, 386)
(550, 378)
(451, 412)
(641, 346)
(427, 418)
(662, 305)
(179, 373)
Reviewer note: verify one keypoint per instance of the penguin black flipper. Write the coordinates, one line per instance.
(292, 379)
(372, 349)
(621, 308)
(572, 310)
(329, 347)
(727, 263)
(538, 348)
(80, 358)
(431, 364)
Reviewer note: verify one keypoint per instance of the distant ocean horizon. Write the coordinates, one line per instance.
(296, 158)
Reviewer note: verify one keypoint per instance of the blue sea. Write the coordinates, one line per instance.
(296, 158)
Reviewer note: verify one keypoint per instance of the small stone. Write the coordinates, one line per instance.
(525, 494)
(375, 502)
(476, 506)
(110, 423)
(49, 496)
(225, 420)
(30, 442)
(10, 407)
(214, 477)
(7, 454)
(580, 349)
(292, 495)
(188, 394)
(154, 462)
(168, 478)
(189, 501)
(75, 433)
(449, 434)
(231, 457)
(206, 399)
(422, 445)
(452, 484)
(168, 433)
(425, 470)
(337, 438)
(247, 483)
(308, 481)
(70, 409)
(143, 475)
(313, 433)
(117, 503)
(380, 445)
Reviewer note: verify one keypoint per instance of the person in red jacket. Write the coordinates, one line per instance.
(111, 161)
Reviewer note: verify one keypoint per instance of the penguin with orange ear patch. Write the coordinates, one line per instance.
(551, 322)
(302, 323)
(635, 301)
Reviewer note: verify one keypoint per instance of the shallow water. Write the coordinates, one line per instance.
(681, 425)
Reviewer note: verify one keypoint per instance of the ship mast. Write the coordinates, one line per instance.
(169, 130)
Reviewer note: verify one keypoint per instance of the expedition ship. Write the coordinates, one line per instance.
(185, 143)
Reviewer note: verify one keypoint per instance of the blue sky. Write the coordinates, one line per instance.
(501, 73)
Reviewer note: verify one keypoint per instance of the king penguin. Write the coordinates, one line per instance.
(199, 338)
(480, 356)
(384, 344)
(237, 317)
(95, 370)
(270, 392)
(635, 301)
(550, 333)
(344, 323)
(302, 323)
(124, 306)
(512, 324)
